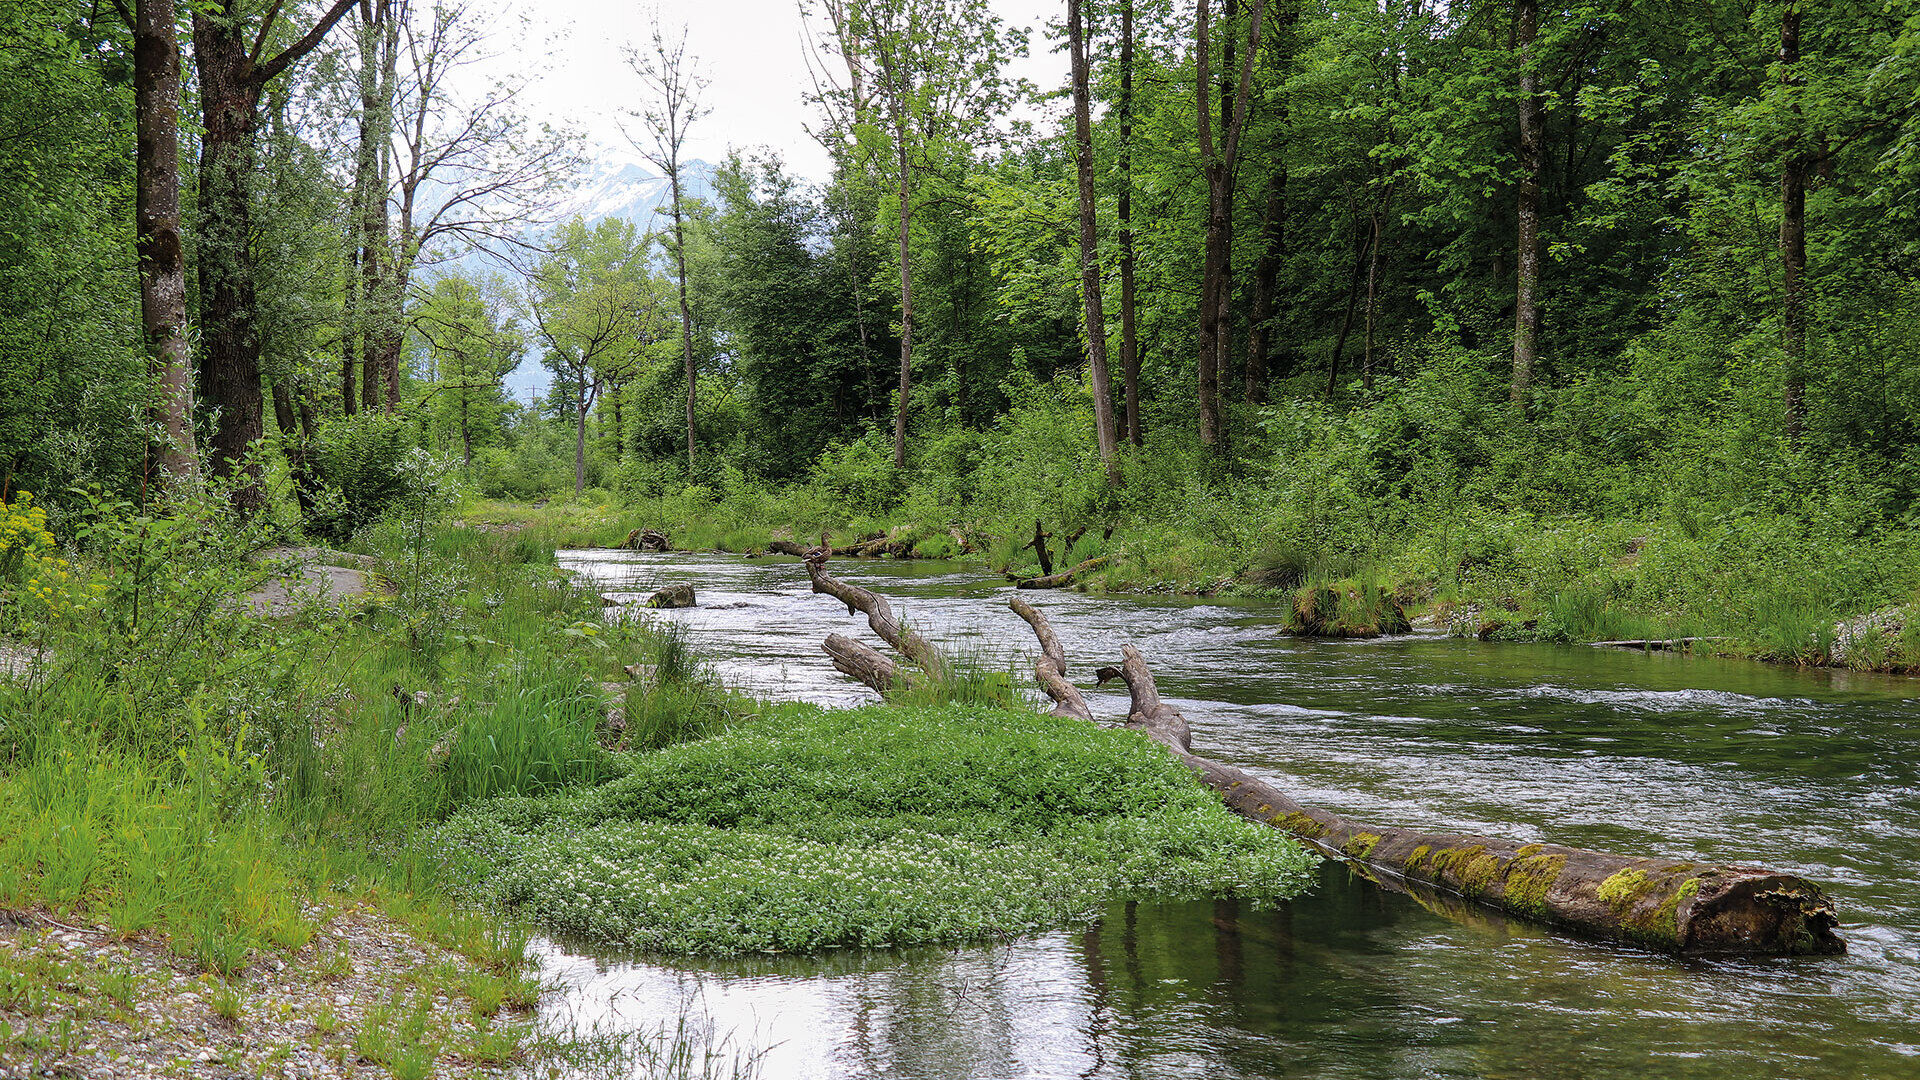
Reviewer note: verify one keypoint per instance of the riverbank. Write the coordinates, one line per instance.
(368, 995)
(1804, 592)
(212, 767)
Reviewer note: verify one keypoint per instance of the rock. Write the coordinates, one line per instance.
(1870, 640)
(441, 751)
(673, 596)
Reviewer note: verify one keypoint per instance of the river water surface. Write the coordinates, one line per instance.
(1816, 773)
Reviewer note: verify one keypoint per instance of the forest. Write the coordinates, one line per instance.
(1564, 323)
(1477, 299)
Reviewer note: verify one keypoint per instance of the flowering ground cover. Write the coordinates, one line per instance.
(807, 828)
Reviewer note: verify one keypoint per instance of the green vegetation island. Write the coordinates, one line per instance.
(318, 340)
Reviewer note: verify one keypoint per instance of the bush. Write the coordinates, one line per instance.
(359, 460)
(858, 477)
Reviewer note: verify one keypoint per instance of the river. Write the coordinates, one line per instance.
(1811, 772)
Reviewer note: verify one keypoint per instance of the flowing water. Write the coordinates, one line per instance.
(1817, 773)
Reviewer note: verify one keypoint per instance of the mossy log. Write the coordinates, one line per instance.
(786, 547)
(1666, 904)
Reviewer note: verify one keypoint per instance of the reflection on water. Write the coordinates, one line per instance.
(1811, 772)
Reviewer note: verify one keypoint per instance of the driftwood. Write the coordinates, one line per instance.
(1653, 644)
(1039, 546)
(879, 616)
(864, 663)
(1063, 578)
(786, 547)
(1666, 904)
(1050, 671)
(647, 540)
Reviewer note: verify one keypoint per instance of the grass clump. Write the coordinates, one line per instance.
(808, 829)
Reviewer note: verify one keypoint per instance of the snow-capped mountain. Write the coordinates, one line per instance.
(617, 185)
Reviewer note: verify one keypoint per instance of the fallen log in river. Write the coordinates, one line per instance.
(1671, 905)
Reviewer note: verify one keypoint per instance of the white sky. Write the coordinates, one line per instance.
(751, 51)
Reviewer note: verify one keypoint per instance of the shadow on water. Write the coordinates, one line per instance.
(1811, 772)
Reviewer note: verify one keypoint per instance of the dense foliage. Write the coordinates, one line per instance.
(1606, 309)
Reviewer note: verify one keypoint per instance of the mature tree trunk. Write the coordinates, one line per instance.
(1218, 165)
(1373, 282)
(350, 318)
(686, 310)
(1266, 279)
(1224, 102)
(381, 299)
(1266, 357)
(675, 87)
(230, 344)
(906, 287)
(1533, 148)
(582, 402)
(1793, 236)
(1095, 325)
(1129, 341)
(163, 268)
(1360, 263)
(232, 79)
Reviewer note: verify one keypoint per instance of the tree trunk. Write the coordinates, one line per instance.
(1373, 286)
(1266, 278)
(163, 269)
(230, 343)
(1215, 288)
(1533, 140)
(1039, 546)
(373, 178)
(1129, 342)
(686, 311)
(231, 82)
(1346, 325)
(906, 289)
(1095, 325)
(1267, 358)
(1224, 101)
(1793, 238)
(580, 436)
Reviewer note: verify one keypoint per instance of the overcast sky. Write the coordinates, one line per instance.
(751, 50)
